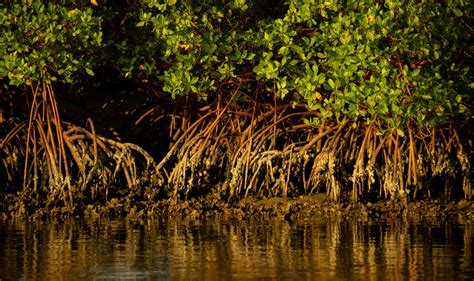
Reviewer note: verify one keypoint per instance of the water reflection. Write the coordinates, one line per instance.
(217, 250)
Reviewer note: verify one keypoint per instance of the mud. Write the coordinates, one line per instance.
(302, 208)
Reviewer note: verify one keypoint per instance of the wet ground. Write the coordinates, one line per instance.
(301, 208)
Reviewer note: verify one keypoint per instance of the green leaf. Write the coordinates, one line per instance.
(331, 83)
(457, 12)
(283, 50)
(400, 133)
(90, 72)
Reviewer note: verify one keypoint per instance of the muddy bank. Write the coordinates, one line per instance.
(302, 208)
(313, 207)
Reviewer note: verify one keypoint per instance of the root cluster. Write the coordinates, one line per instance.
(268, 151)
(61, 164)
(235, 149)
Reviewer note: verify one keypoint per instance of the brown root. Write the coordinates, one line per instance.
(66, 164)
(268, 151)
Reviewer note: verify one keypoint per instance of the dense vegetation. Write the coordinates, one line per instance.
(262, 98)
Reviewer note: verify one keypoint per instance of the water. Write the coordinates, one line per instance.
(218, 250)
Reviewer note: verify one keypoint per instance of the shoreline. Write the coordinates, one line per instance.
(299, 209)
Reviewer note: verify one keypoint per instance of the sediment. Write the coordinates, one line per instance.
(302, 208)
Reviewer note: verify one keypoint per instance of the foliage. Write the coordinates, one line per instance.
(46, 42)
(399, 61)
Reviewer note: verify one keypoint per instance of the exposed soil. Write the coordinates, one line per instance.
(302, 208)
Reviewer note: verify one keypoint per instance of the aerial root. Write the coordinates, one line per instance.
(251, 153)
(68, 163)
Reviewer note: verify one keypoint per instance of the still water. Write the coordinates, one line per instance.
(236, 250)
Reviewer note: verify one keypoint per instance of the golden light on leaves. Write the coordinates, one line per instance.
(184, 47)
(317, 95)
(370, 19)
(94, 2)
